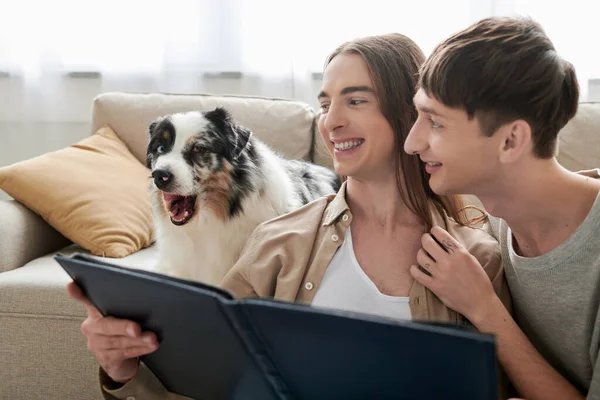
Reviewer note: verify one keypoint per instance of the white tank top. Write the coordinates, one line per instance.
(345, 286)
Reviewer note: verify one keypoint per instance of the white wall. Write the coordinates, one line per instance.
(594, 90)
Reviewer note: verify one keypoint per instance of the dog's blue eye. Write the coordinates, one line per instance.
(160, 149)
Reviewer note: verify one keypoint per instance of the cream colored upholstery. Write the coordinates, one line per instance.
(579, 141)
(285, 125)
(42, 352)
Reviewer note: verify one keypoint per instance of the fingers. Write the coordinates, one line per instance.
(109, 326)
(445, 239)
(433, 249)
(421, 277)
(116, 343)
(103, 343)
(116, 356)
(99, 344)
(425, 261)
(75, 292)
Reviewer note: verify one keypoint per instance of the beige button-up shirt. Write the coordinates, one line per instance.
(286, 258)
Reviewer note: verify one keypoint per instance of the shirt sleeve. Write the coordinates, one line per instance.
(237, 281)
(144, 386)
(487, 252)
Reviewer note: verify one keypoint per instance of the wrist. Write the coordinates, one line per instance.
(486, 312)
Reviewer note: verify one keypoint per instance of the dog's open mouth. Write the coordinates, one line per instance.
(181, 208)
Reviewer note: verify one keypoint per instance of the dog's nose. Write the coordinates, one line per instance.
(162, 178)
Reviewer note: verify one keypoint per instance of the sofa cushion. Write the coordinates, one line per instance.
(285, 125)
(94, 192)
(43, 353)
(43, 278)
(579, 140)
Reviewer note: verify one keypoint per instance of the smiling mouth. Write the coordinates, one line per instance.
(348, 145)
(181, 209)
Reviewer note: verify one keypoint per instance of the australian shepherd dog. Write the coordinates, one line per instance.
(213, 183)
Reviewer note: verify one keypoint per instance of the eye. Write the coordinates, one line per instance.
(324, 107)
(434, 125)
(356, 102)
(160, 149)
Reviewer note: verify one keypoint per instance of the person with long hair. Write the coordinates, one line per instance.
(353, 250)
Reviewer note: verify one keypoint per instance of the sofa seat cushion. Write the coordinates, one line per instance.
(39, 287)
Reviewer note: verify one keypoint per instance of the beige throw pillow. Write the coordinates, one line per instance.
(95, 192)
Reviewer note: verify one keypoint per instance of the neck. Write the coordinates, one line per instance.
(378, 203)
(543, 207)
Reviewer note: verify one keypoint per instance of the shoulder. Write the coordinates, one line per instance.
(308, 216)
(296, 227)
(277, 244)
(479, 241)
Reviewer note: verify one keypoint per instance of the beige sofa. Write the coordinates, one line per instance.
(42, 352)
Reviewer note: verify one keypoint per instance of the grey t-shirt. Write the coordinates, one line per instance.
(556, 300)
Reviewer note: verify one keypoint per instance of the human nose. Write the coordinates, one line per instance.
(416, 141)
(335, 117)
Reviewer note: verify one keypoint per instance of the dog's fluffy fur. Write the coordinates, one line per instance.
(213, 183)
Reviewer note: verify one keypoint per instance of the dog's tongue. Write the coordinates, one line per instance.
(177, 204)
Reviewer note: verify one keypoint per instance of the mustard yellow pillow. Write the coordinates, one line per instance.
(95, 192)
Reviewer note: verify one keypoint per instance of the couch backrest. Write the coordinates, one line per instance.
(287, 126)
(579, 140)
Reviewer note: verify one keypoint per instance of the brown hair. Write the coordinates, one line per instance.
(502, 69)
(393, 61)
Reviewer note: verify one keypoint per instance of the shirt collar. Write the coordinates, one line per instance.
(336, 207)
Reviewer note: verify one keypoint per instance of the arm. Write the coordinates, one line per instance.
(458, 279)
(117, 344)
(144, 385)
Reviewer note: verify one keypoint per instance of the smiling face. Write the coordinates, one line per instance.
(192, 156)
(458, 157)
(353, 128)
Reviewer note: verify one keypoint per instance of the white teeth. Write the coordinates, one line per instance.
(185, 215)
(348, 145)
(433, 164)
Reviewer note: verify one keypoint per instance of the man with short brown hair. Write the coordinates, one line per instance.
(491, 101)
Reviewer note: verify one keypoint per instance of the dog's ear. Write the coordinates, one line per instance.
(151, 133)
(236, 137)
(220, 114)
(152, 126)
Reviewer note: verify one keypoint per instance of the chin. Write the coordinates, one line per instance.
(439, 186)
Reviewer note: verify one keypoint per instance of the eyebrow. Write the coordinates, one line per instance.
(428, 110)
(349, 89)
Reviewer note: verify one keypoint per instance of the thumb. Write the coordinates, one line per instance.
(76, 293)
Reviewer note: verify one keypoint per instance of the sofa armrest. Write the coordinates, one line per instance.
(24, 236)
